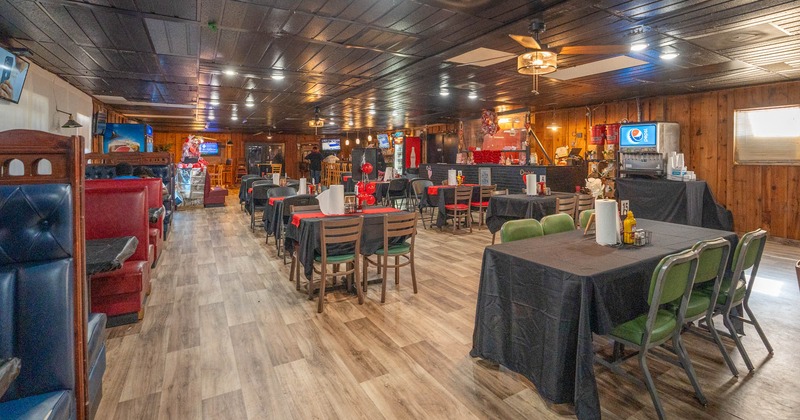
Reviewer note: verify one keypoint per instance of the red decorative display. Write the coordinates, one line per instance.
(486, 156)
(488, 122)
(367, 168)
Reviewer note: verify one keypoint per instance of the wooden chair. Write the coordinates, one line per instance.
(460, 208)
(227, 175)
(295, 275)
(215, 174)
(486, 192)
(584, 202)
(498, 192)
(334, 232)
(395, 226)
(277, 168)
(566, 205)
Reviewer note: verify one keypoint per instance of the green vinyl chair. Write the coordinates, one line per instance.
(584, 217)
(671, 284)
(713, 259)
(514, 230)
(557, 223)
(736, 288)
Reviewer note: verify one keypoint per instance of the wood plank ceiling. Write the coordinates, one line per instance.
(380, 64)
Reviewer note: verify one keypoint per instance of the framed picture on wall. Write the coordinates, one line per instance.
(485, 176)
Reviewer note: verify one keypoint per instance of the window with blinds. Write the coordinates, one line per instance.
(767, 136)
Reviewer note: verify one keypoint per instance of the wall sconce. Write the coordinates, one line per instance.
(70, 122)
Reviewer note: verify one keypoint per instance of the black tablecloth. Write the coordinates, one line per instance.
(273, 213)
(155, 213)
(108, 254)
(687, 203)
(503, 208)
(540, 299)
(307, 238)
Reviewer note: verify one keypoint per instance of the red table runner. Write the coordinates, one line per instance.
(274, 199)
(297, 217)
(433, 190)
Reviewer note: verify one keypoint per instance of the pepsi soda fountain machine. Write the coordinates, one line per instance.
(644, 147)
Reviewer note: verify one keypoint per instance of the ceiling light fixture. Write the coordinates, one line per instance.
(638, 46)
(444, 92)
(369, 136)
(234, 118)
(211, 117)
(669, 55)
(214, 103)
(250, 104)
(70, 122)
(553, 125)
(269, 134)
(358, 140)
(536, 63)
(473, 95)
(229, 72)
(278, 76)
(371, 112)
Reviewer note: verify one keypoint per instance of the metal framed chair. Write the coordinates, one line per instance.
(514, 230)
(288, 203)
(396, 191)
(583, 217)
(295, 275)
(243, 189)
(557, 223)
(485, 194)
(258, 200)
(498, 192)
(713, 259)
(671, 284)
(736, 288)
(416, 188)
(395, 226)
(273, 193)
(338, 232)
(459, 209)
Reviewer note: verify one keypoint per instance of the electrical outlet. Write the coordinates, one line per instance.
(624, 206)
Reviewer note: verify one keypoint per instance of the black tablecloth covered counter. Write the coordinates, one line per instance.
(503, 208)
(687, 203)
(108, 254)
(541, 299)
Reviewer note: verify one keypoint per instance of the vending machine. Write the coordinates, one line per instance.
(407, 153)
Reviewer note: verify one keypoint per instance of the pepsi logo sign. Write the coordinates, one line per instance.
(636, 136)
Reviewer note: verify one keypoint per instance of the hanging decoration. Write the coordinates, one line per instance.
(461, 145)
(488, 122)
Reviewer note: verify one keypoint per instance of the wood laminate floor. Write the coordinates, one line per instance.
(227, 336)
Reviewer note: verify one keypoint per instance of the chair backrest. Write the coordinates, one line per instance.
(398, 225)
(584, 202)
(486, 192)
(566, 205)
(419, 185)
(298, 200)
(398, 185)
(557, 223)
(672, 280)
(341, 231)
(584, 217)
(281, 192)
(311, 207)
(747, 256)
(463, 195)
(261, 191)
(514, 230)
(713, 259)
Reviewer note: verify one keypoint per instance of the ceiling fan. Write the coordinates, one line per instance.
(543, 60)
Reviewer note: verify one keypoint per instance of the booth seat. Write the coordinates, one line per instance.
(37, 308)
(165, 172)
(113, 212)
(153, 186)
(213, 197)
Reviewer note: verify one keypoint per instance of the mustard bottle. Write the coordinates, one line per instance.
(628, 226)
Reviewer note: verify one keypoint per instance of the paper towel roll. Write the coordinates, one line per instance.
(302, 189)
(530, 184)
(606, 221)
(336, 199)
(451, 177)
(276, 179)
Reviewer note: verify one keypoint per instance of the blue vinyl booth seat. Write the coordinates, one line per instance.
(165, 172)
(36, 305)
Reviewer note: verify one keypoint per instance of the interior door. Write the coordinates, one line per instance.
(255, 155)
(434, 147)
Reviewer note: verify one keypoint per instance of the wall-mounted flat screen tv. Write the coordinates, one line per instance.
(209, 148)
(331, 145)
(13, 72)
(383, 141)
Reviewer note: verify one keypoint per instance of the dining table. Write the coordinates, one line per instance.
(154, 213)
(439, 195)
(273, 212)
(108, 254)
(540, 300)
(302, 234)
(503, 208)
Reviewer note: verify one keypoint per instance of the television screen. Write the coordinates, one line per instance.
(331, 144)
(383, 141)
(209, 148)
(124, 138)
(637, 135)
(13, 72)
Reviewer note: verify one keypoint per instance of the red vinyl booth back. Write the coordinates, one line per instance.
(119, 211)
(153, 187)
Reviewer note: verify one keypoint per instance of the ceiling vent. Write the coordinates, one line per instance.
(738, 37)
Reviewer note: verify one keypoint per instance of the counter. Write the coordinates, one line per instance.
(559, 178)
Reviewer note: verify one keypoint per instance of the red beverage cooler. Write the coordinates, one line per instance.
(612, 133)
(598, 134)
(407, 153)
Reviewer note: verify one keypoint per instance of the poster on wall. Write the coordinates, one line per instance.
(99, 125)
(413, 152)
(121, 138)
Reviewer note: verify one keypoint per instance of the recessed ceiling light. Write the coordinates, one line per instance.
(250, 104)
(473, 95)
(444, 92)
(394, 113)
(278, 76)
(669, 55)
(333, 123)
(350, 124)
(371, 112)
(229, 72)
(214, 103)
(234, 118)
(211, 117)
(638, 46)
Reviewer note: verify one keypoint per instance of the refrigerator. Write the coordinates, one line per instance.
(407, 154)
(127, 138)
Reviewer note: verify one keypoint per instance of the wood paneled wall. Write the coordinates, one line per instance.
(766, 196)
